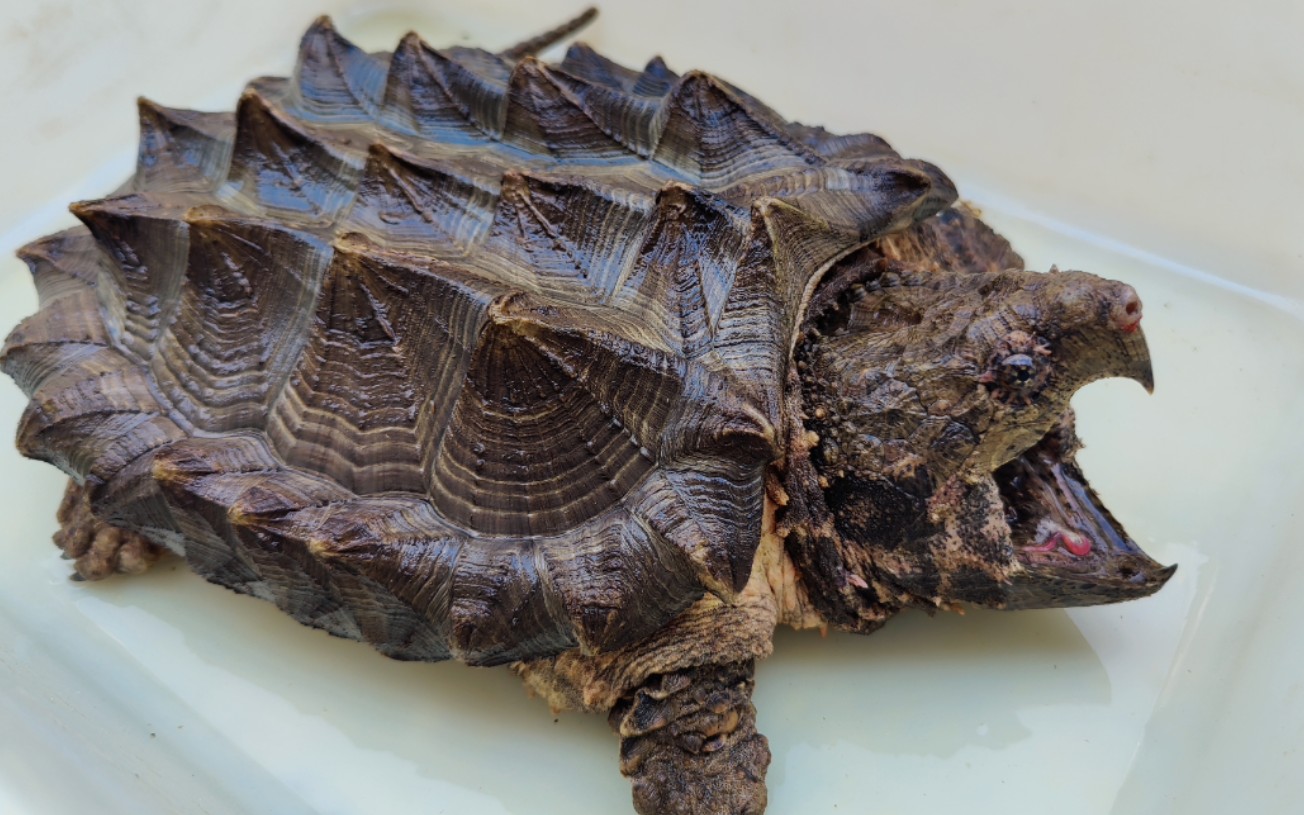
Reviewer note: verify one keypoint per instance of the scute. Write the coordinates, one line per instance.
(452, 96)
(181, 149)
(458, 353)
(334, 80)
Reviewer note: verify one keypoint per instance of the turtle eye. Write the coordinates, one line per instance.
(1018, 370)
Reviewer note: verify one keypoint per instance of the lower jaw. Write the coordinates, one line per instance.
(1073, 550)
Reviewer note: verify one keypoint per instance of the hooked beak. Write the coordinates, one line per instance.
(1117, 351)
(1136, 359)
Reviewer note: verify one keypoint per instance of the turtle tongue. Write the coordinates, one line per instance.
(1074, 551)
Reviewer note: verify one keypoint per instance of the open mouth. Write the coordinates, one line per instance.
(1073, 550)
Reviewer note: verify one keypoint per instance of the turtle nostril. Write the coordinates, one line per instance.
(1126, 313)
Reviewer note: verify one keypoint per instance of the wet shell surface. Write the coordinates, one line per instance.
(458, 353)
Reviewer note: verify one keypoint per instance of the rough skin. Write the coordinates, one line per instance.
(689, 745)
(98, 549)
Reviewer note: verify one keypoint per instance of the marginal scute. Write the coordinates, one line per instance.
(678, 512)
(865, 201)
(630, 119)
(850, 147)
(236, 508)
(397, 545)
(626, 105)
(94, 427)
(788, 250)
(368, 606)
(707, 486)
(214, 472)
(75, 321)
(460, 354)
(593, 69)
(67, 261)
(62, 337)
(594, 574)
(801, 247)
(37, 360)
(408, 86)
(504, 608)
(656, 80)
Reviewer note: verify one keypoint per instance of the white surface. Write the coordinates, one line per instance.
(1160, 145)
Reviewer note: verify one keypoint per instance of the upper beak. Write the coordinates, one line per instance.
(1104, 355)
(1137, 365)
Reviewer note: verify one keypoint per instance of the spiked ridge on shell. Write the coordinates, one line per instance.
(458, 353)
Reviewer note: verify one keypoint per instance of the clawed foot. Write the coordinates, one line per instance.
(96, 548)
(689, 743)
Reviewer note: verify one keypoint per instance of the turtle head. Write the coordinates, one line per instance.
(945, 448)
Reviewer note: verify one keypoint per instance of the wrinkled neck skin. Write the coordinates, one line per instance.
(776, 573)
(825, 578)
(783, 578)
(804, 561)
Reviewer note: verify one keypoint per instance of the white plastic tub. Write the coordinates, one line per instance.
(1158, 143)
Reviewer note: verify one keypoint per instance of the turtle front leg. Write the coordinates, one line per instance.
(96, 548)
(688, 742)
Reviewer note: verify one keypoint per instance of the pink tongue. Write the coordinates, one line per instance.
(1079, 545)
(1074, 542)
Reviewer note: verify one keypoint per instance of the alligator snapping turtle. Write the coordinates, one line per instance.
(601, 373)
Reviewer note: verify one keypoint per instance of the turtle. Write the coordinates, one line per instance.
(602, 374)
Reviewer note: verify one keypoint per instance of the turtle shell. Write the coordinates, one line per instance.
(454, 352)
